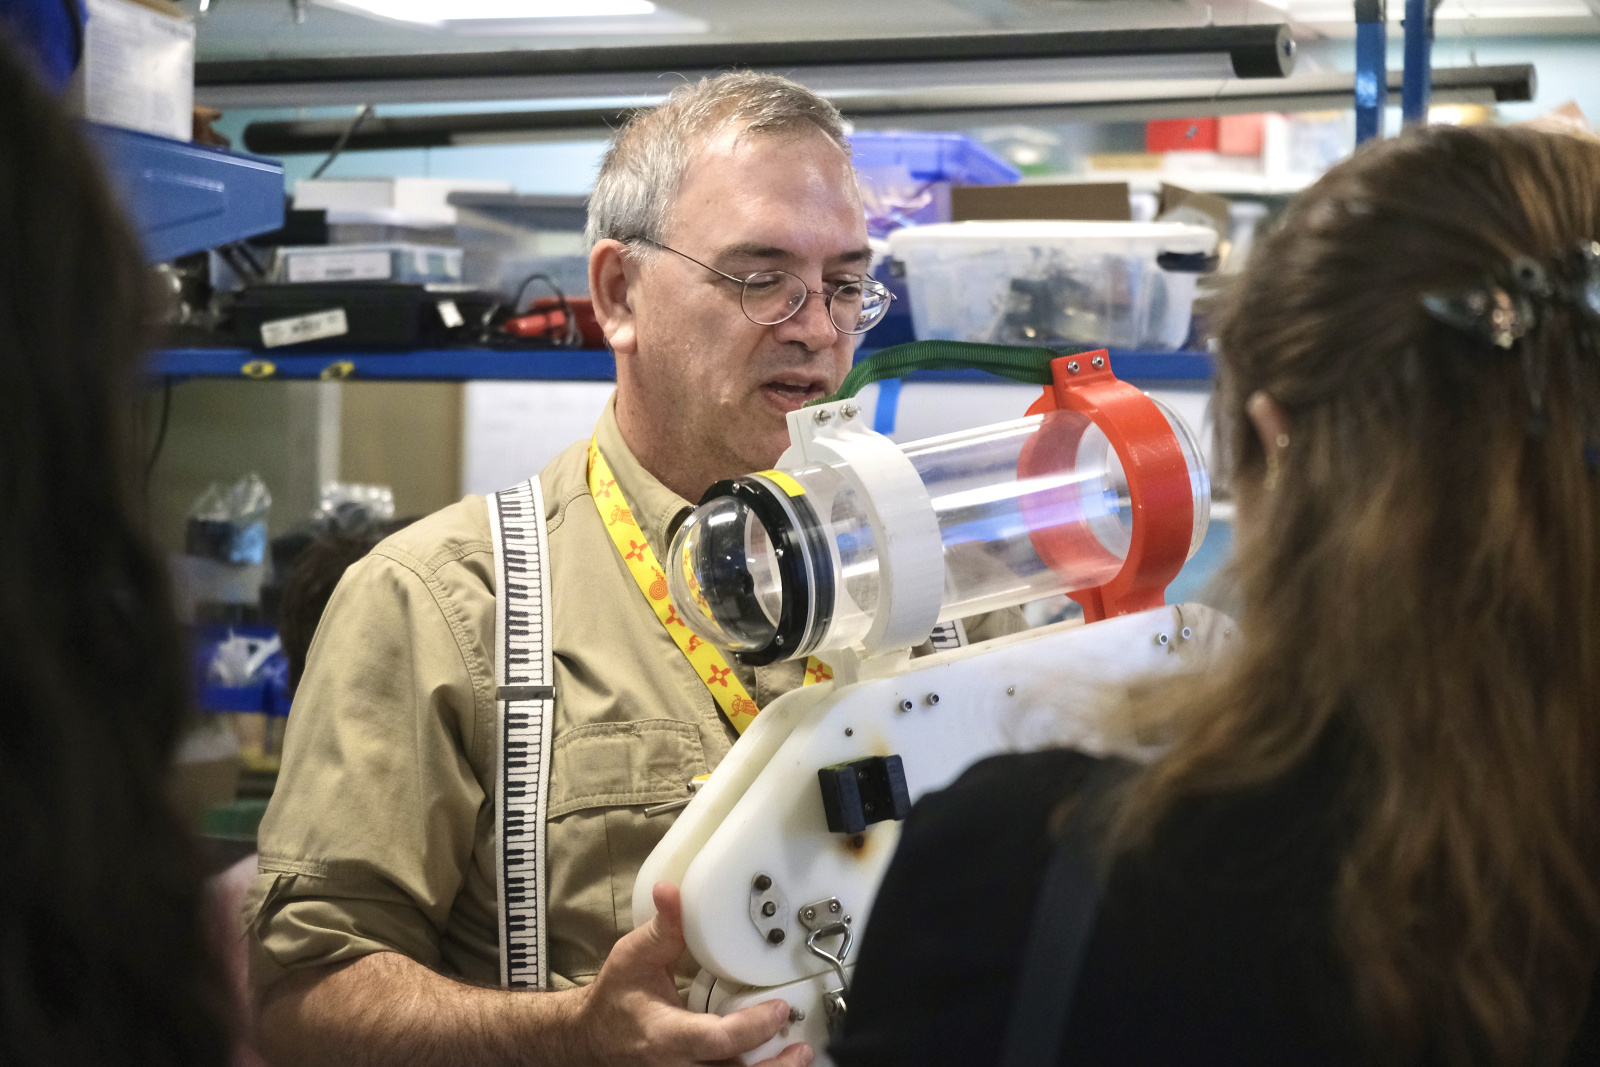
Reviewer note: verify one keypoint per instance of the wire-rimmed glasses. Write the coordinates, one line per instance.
(769, 297)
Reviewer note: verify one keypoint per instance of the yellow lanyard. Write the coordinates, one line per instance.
(708, 663)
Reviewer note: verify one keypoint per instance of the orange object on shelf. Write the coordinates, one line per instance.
(1241, 135)
(1181, 135)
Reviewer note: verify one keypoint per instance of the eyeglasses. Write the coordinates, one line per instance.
(769, 297)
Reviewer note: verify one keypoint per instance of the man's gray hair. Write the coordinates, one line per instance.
(641, 171)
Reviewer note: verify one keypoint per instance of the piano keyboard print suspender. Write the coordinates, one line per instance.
(525, 699)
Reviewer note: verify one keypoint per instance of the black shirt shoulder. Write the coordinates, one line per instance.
(938, 963)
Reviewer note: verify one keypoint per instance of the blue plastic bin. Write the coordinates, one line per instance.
(906, 175)
(931, 157)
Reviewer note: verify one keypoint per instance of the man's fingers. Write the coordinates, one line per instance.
(720, 1037)
(659, 942)
(796, 1055)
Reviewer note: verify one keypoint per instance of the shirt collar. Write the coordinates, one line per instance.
(654, 506)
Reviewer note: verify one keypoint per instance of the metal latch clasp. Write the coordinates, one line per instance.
(825, 919)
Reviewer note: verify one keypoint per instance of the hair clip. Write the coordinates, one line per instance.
(1500, 311)
(1509, 304)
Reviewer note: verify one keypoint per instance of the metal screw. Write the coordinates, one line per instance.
(762, 883)
(1011, 690)
(1098, 362)
(849, 731)
(847, 918)
(808, 913)
(822, 416)
(849, 411)
(833, 906)
(796, 1015)
(1187, 633)
(906, 705)
(769, 909)
(1162, 639)
(778, 640)
(1072, 366)
(774, 936)
(933, 698)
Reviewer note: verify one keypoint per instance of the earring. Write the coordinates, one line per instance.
(1275, 463)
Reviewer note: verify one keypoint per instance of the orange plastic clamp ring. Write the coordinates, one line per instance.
(1158, 485)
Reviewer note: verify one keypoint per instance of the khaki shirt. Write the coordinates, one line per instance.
(380, 835)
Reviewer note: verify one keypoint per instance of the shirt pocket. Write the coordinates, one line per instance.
(611, 764)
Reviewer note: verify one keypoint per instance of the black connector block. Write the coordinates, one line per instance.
(859, 793)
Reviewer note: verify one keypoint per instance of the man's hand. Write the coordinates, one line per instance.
(631, 1014)
(385, 1009)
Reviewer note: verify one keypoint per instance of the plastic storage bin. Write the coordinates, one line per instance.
(906, 177)
(390, 262)
(1123, 284)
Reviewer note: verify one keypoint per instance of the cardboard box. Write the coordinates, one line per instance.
(138, 67)
(1070, 201)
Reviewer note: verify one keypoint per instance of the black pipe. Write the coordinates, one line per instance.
(1507, 83)
(1260, 51)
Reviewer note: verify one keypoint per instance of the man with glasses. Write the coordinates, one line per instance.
(729, 271)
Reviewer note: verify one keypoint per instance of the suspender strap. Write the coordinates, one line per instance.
(525, 698)
(1063, 918)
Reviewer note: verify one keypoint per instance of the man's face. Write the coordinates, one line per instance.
(747, 204)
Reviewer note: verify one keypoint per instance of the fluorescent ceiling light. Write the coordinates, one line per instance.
(434, 13)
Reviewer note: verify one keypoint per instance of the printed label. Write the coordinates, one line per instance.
(340, 267)
(312, 327)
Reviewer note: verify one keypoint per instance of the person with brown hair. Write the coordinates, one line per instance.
(1375, 836)
(103, 958)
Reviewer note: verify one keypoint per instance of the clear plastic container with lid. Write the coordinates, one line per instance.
(1121, 284)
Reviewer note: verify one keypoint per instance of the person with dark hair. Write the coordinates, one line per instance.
(1375, 836)
(102, 954)
(311, 580)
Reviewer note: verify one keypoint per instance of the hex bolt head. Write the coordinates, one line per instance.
(769, 909)
(1098, 362)
(849, 411)
(1072, 366)
(762, 883)
(906, 705)
(822, 416)
(774, 936)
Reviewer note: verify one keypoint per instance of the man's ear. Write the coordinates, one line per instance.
(611, 273)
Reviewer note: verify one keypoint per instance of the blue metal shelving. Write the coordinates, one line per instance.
(185, 197)
(468, 364)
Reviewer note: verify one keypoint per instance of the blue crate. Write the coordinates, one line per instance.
(931, 157)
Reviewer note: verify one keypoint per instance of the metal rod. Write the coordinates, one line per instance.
(1242, 51)
(1310, 92)
(1419, 60)
(1372, 81)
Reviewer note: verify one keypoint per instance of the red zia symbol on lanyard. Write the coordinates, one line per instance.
(636, 550)
(719, 676)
